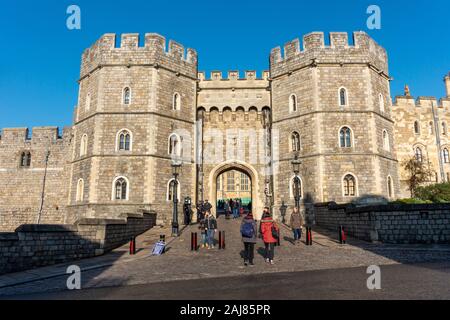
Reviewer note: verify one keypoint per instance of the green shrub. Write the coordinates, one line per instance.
(438, 193)
(411, 201)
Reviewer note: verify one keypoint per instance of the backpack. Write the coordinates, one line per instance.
(247, 230)
(274, 231)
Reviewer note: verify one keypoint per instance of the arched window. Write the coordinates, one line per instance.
(343, 97)
(345, 137)
(418, 154)
(25, 159)
(295, 141)
(386, 143)
(381, 102)
(446, 156)
(416, 127)
(444, 128)
(390, 187)
(83, 145)
(120, 189)
(80, 190)
(170, 187)
(176, 104)
(88, 102)
(126, 96)
(175, 145)
(431, 127)
(124, 140)
(245, 182)
(349, 184)
(292, 187)
(292, 103)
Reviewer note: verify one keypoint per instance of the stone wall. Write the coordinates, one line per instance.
(22, 188)
(32, 246)
(433, 136)
(405, 224)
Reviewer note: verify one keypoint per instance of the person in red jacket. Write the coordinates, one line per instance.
(270, 233)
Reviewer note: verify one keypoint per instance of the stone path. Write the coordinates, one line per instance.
(179, 263)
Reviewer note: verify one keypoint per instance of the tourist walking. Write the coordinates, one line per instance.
(297, 222)
(270, 233)
(235, 209)
(227, 210)
(211, 228)
(249, 233)
(203, 234)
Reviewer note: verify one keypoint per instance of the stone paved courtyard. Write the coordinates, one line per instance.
(179, 263)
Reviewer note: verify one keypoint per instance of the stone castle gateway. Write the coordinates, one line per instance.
(141, 106)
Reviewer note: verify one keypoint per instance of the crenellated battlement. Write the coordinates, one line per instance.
(425, 102)
(339, 51)
(37, 135)
(234, 75)
(108, 50)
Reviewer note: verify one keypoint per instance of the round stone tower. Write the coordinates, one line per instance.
(136, 110)
(336, 100)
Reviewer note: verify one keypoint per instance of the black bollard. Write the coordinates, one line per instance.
(196, 242)
(192, 241)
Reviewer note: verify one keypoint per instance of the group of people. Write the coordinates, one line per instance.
(233, 207)
(268, 231)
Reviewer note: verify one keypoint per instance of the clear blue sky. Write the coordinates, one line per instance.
(40, 57)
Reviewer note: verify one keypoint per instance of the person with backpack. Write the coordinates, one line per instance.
(248, 233)
(270, 233)
(202, 227)
(297, 223)
(211, 228)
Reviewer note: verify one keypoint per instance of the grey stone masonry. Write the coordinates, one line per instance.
(34, 246)
(398, 224)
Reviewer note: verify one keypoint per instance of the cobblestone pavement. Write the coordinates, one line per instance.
(179, 263)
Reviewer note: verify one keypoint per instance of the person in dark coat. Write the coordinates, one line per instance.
(211, 228)
(249, 234)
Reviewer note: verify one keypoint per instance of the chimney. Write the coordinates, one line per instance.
(447, 84)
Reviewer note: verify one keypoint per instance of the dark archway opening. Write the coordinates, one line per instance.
(233, 188)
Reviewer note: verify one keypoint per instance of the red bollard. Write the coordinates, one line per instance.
(310, 242)
(221, 240)
(193, 241)
(133, 246)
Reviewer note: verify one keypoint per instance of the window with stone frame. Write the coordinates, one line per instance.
(418, 154)
(124, 141)
(446, 155)
(345, 137)
(25, 159)
(390, 187)
(293, 104)
(381, 102)
(295, 141)
(126, 96)
(386, 141)
(121, 189)
(343, 97)
(176, 104)
(80, 190)
(416, 127)
(349, 186)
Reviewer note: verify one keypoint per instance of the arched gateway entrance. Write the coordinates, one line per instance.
(240, 170)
